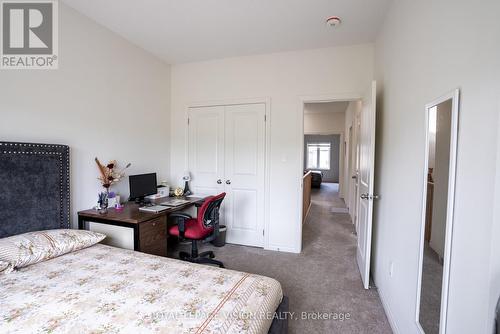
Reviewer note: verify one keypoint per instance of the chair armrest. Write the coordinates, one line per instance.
(180, 215)
(181, 218)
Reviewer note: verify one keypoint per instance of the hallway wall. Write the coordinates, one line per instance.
(331, 175)
(324, 118)
(416, 64)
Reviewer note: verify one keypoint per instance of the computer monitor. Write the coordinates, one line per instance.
(142, 185)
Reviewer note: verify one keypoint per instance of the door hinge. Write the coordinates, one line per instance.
(265, 118)
(188, 120)
(262, 232)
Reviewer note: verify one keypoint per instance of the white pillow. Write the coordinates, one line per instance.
(33, 247)
(5, 268)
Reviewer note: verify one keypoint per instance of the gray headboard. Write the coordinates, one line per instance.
(34, 187)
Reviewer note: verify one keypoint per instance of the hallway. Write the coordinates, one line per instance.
(323, 278)
(328, 237)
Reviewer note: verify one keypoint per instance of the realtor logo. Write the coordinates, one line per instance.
(29, 34)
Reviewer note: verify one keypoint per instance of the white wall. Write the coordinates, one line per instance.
(108, 99)
(284, 78)
(324, 123)
(418, 58)
(325, 117)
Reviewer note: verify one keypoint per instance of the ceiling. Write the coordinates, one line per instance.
(325, 107)
(181, 31)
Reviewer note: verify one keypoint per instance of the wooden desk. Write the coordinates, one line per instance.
(150, 229)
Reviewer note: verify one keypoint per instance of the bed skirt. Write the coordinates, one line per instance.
(280, 323)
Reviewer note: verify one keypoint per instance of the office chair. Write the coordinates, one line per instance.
(204, 227)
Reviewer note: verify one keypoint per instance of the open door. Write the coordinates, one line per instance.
(366, 175)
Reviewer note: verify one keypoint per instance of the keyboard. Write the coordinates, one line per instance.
(153, 209)
(175, 202)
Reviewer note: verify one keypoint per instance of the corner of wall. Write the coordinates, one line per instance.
(495, 238)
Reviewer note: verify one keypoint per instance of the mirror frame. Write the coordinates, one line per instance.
(454, 96)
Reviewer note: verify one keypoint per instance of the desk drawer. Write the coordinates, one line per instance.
(153, 236)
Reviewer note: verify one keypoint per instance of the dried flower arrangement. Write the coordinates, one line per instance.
(110, 174)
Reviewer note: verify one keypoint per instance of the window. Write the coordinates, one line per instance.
(318, 156)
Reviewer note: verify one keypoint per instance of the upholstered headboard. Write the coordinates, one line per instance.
(34, 187)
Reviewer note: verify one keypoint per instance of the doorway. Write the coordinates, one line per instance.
(357, 162)
(327, 156)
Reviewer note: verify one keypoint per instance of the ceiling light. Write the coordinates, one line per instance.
(333, 21)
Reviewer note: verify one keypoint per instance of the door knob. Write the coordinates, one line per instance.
(367, 196)
(228, 181)
(219, 181)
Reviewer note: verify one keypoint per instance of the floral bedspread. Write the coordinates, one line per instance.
(102, 289)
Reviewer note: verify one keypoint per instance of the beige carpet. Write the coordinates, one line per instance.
(323, 278)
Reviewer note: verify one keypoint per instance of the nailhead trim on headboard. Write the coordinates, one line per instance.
(62, 151)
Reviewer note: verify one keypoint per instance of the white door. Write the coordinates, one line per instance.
(244, 173)
(227, 153)
(206, 150)
(366, 175)
(356, 173)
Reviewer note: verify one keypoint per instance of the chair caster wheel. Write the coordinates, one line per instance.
(183, 255)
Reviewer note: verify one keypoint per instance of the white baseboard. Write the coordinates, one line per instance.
(388, 313)
(281, 249)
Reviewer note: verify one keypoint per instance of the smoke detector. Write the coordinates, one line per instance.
(333, 21)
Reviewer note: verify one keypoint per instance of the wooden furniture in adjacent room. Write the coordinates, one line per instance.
(149, 229)
(306, 196)
(429, 206)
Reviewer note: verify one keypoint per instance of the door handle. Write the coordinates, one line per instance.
(228, 181)
(219, 181)
(355, 177)
(368, 196)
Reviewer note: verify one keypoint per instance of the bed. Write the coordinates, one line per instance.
(102, 289)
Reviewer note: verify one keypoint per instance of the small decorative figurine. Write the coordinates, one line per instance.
(113, 199)
(178, 192)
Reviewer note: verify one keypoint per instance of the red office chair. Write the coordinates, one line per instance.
(205, 228)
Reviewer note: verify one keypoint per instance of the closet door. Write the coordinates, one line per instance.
(244, 173)
(206, 150)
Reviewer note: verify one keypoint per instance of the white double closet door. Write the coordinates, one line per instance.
(226, 148)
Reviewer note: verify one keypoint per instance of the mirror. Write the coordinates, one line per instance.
(437, 213)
